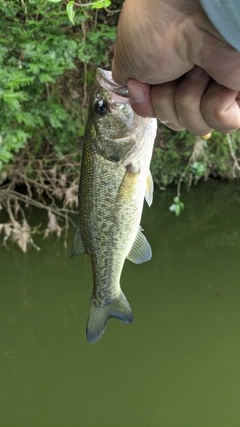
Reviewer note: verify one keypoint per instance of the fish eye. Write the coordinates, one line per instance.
(101, 107)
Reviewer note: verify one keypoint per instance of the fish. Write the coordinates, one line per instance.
(114, 179)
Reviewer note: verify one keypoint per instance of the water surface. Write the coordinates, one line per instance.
(177, 365)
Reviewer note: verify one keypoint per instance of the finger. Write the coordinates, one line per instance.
(140, 98)
(162, 97)
(188, 97)
(222, 62)
(118, 74)
(220, 107)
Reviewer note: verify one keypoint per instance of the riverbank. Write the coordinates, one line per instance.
(50, 183)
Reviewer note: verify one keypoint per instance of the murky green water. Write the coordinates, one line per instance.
(177, 365)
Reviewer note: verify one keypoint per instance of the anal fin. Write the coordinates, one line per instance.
(141, 250)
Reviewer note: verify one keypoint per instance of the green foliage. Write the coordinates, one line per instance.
(177, 206)
(198, 168)
(47, 66)
(39, 52)
(70, 11)
(220, 162)
(171, 153)
(183, 156)
(70, 8)
(101, 3)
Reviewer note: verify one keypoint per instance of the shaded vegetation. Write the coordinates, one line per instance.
(47, 67)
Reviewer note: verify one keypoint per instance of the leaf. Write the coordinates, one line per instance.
(100, 4)
(176, 199)
(46, 78)
(177, 210)
(198, 168)
(177, 207)
(70, 11)
(54, 1)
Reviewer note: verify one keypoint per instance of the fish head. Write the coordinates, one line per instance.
(115, 126)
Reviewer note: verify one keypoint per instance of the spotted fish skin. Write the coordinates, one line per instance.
(114, 180)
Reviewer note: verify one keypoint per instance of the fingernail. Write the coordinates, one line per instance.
(137, 94)
(195, 72)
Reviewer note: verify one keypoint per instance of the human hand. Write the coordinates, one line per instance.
(177, 66)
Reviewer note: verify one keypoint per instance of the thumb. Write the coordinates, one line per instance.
(118, 74)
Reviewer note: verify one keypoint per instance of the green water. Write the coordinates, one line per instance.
(177, 365)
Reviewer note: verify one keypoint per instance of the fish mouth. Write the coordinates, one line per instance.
(105, 79)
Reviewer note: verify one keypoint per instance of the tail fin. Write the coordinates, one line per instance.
(99, 315)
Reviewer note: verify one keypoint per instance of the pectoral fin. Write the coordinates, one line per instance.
(78, 245)
(149, 189)
(141, 250)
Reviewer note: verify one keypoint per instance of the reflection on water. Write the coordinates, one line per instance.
(177, 365)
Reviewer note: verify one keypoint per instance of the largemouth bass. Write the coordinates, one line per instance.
(114, 179)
